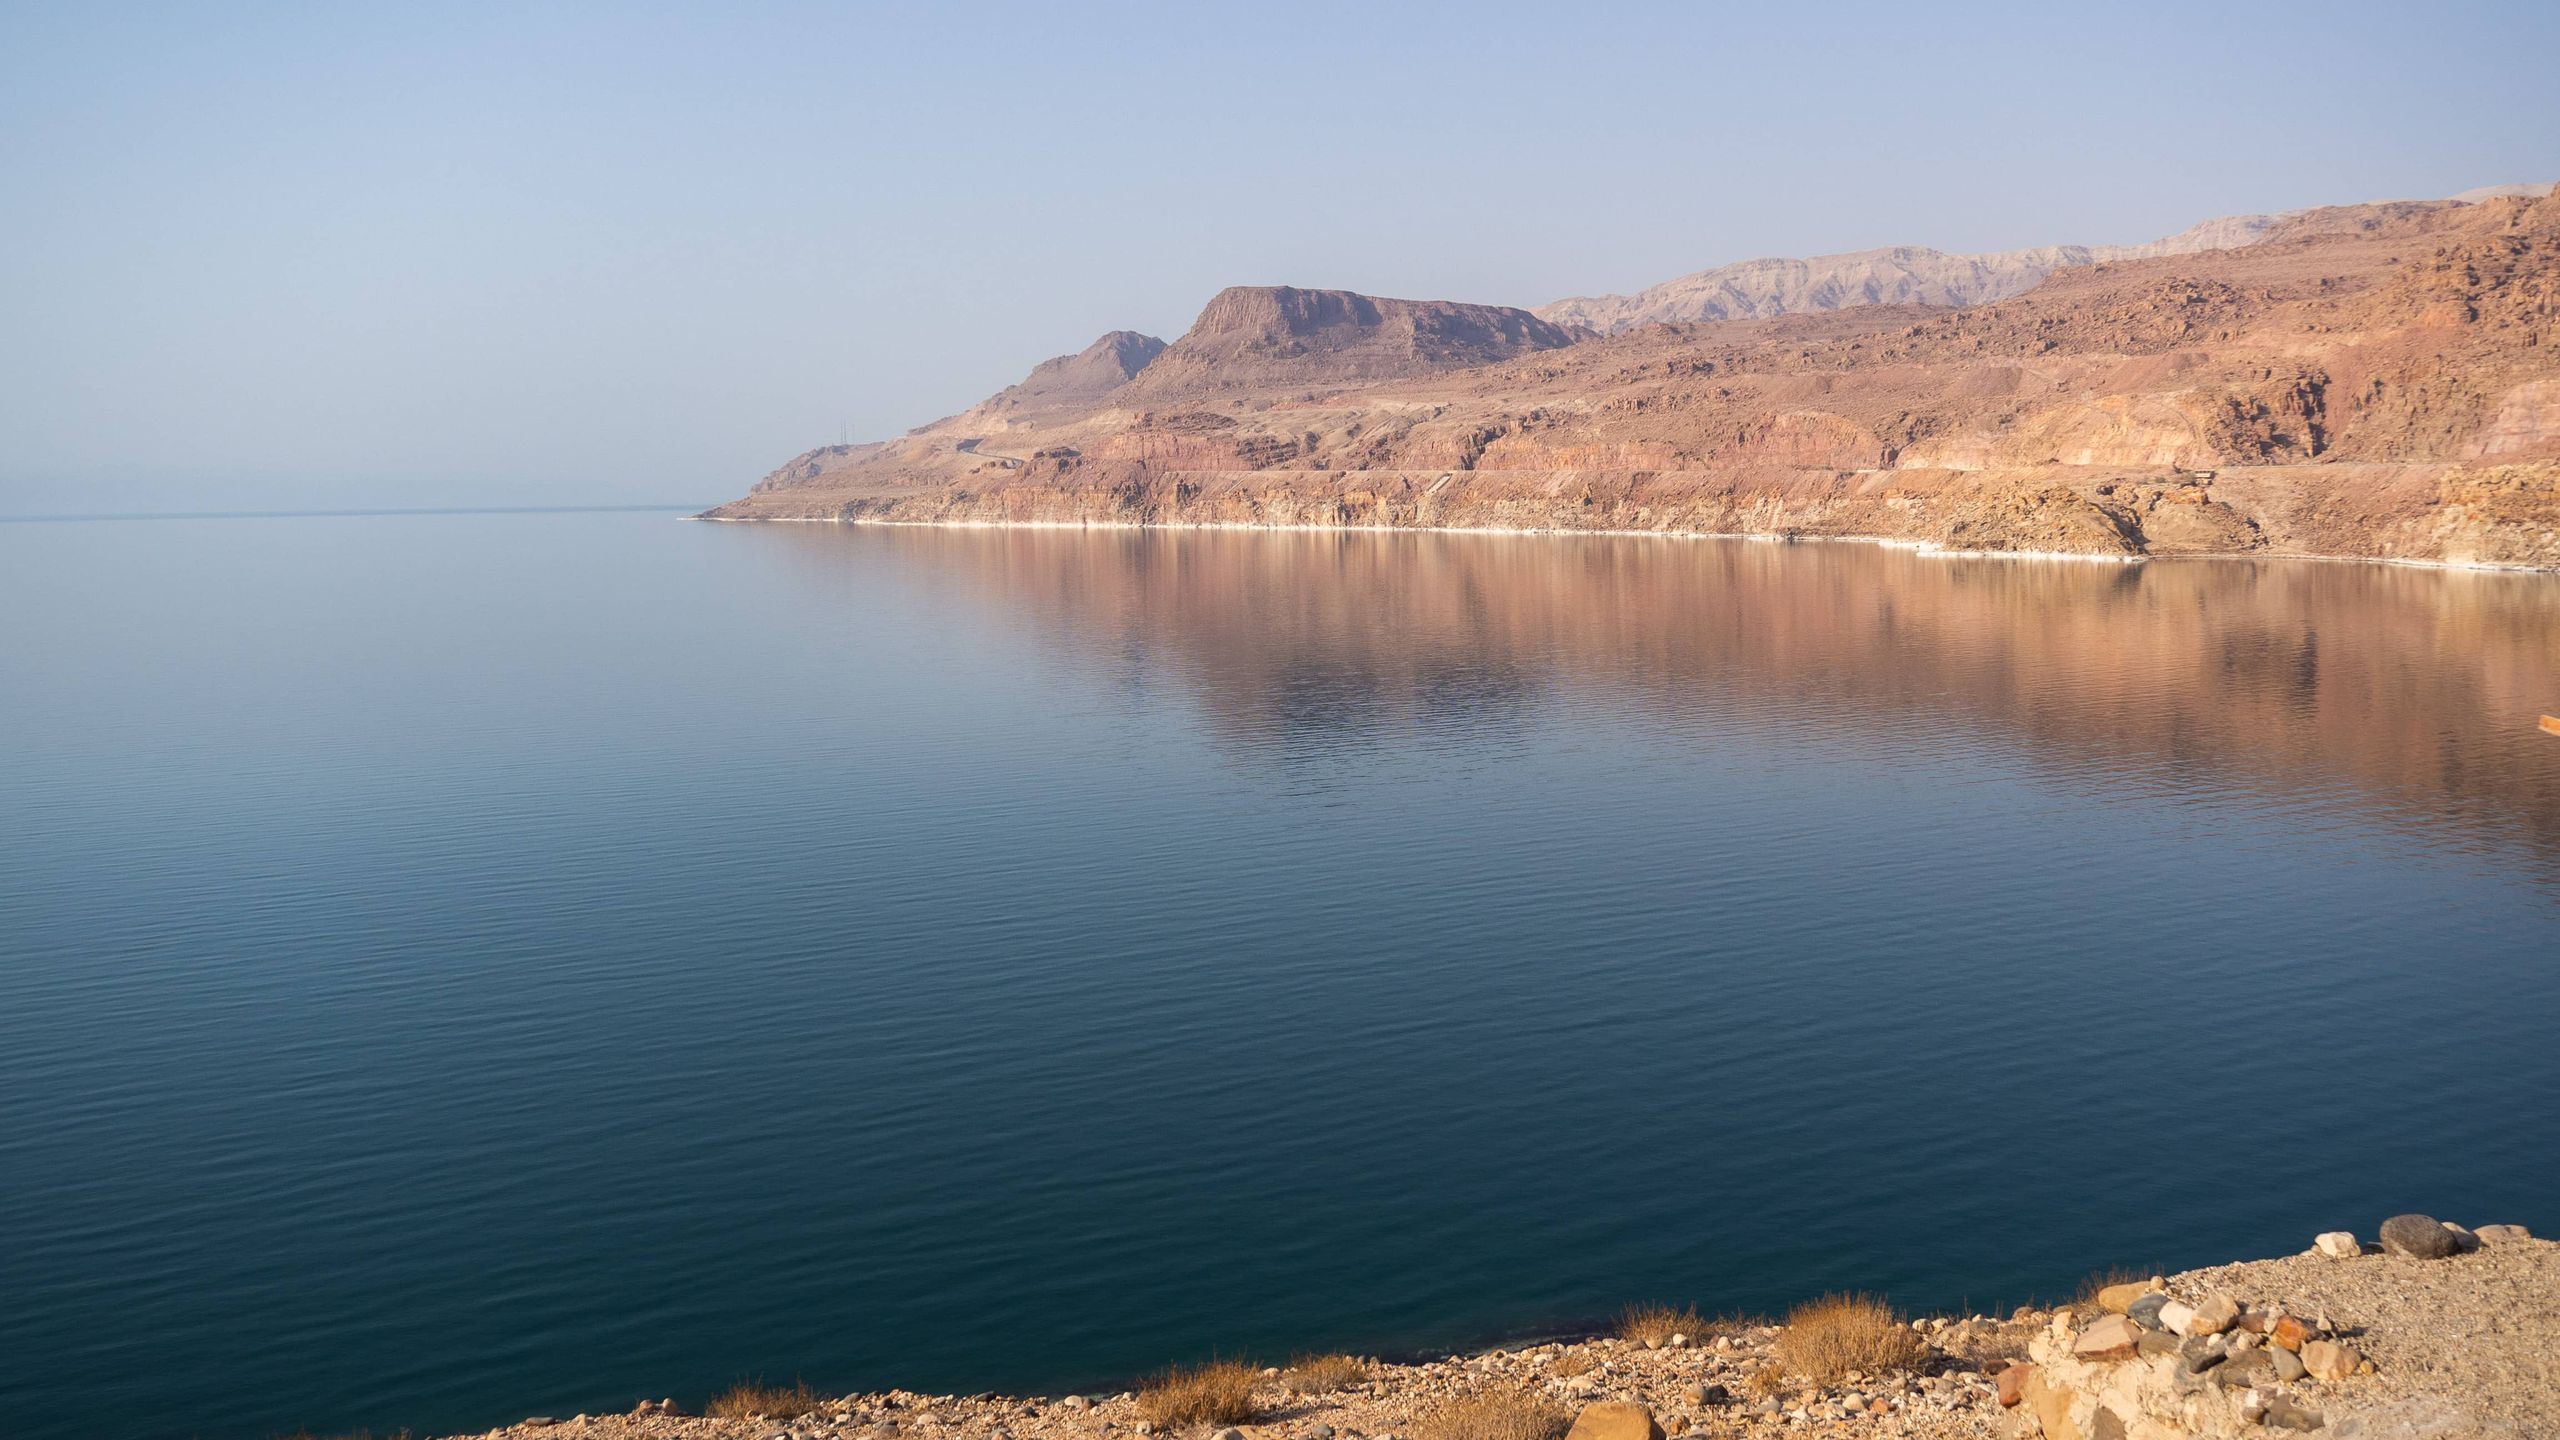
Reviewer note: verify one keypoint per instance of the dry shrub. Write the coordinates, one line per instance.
(1841, 1335)
(1494, 1415)
(1656, 1324)
(1572, 1363)
(1766, 1381)
(1218, 1393)
(754, 1399)
(1316, 1374)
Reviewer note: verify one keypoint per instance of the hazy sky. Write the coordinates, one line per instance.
(428, 254)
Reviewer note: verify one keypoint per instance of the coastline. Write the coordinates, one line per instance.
(2436, 1331)
(1889, 542)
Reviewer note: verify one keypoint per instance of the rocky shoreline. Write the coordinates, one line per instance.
(2430, 1332)
(2457, 517)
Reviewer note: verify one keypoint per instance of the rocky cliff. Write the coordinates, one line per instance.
(2378, 382)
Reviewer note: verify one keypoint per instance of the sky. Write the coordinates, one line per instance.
(346, 256)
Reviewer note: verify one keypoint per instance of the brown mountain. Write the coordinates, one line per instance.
(1089, 374)
(2374, 380)
(1277, 335)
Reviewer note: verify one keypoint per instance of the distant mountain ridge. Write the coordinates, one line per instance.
(1918, 275)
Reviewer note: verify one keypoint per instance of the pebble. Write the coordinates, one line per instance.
(2464, 1242)
(2421, 1237)
(2289, 1367)
(2176, 1316)
(2338, 1244)
(2503, 1234)
(2145, 1312)
(1074, 1402)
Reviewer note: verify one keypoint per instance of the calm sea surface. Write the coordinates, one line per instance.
(458, 967)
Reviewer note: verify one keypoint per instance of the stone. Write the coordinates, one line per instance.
(2338, 1244)
(2503, 1234)
(1319, 1432)
(2199, 1353)
(2289, 1367)
(2291, 1332)
(2012, 1383)
(2157, 1342)
(2283, 1414)
(1614, 1420)
(2051, 1406)
(2250, 1405)
(2145, 1312)
(1075, 1402)
(2115, 1298)
(2213, 1315)
(2242, 1371)
(2420, 1237)
(2464, 1242)
(1230, 1433)
(2110, 1337)
(2329, 1360)
(2175, 1316)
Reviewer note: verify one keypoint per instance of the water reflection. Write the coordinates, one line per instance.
(2409, 689)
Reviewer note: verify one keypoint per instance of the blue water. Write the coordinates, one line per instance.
(457, 967)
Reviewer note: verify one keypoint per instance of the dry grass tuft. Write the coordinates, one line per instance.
(1656, 1324)
(1766, 1381)
(1494, 1415)
(1316, 1374)
(1572, 1363)
(1840, 1335)
(1218, 1393)
(753, 1399)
